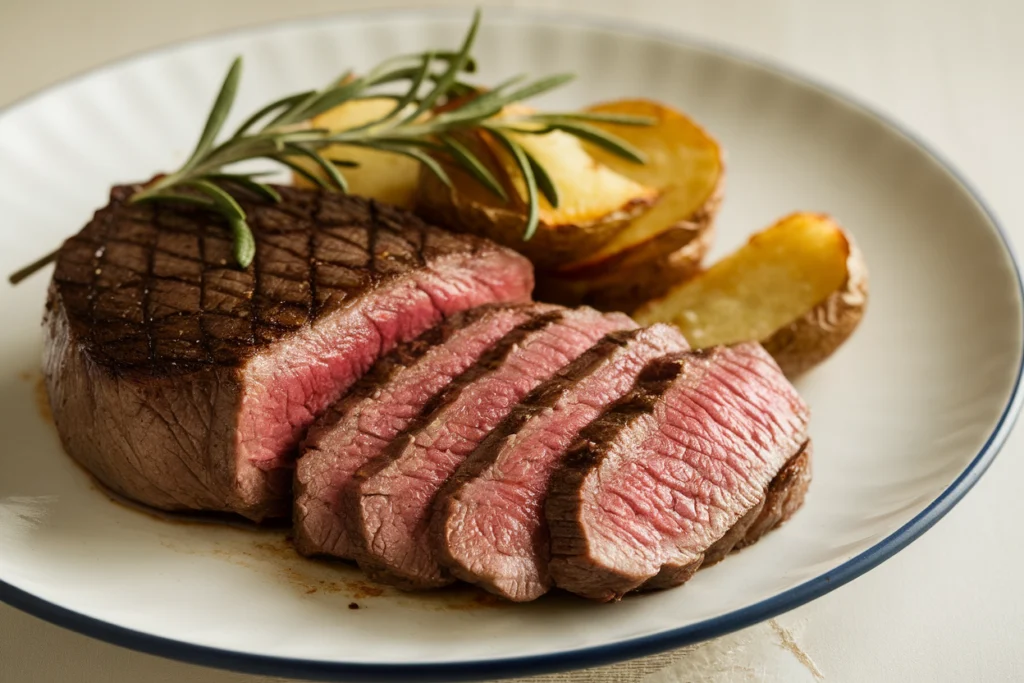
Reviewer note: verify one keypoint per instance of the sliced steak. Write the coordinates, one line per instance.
(657, 480)
(380, 405)
(390, 502)
(488, 525)
(185, 383)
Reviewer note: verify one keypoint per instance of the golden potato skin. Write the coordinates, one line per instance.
(468, 207)
(629, 278)
(799, 287)
(814, 336)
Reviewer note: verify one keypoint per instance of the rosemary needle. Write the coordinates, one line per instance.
(415, 127)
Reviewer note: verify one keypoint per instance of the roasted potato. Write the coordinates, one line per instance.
(596, 203)
(383, 176)
(666, 243)
(799, 287)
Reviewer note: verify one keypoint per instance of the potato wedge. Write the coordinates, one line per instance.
(665, 244)
(383, 176)
(595, 203)
(799, 287)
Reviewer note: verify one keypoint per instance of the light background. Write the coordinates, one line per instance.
(950, 607)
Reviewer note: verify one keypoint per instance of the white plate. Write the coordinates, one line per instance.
(907, 416)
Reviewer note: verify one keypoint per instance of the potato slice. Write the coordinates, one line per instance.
(799, 287)
(665, 244)
(595, 202)
(587, 191)
(683, 161)
(383, 176)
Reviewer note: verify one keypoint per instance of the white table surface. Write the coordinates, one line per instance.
(948, 608)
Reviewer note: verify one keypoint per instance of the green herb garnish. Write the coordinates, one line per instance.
(281, 132)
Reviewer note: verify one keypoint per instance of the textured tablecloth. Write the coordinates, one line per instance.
(950, 607)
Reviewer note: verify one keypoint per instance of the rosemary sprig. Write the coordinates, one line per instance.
(415, 127)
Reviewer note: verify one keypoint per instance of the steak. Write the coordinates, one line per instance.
(648, 488)
(380, 405)
(185, 383)
(391, 499)
(489, 526)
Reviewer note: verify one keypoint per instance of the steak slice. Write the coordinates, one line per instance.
(185, 383)
(657, 480)
(380, 405)
(488, 525)
(390, 501)
(783, 497)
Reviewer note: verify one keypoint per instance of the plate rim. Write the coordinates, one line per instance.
(599, 655)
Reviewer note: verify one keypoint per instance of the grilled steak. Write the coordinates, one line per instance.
(185, 383)
(489, 526)
(649, 487)
(380, 405)
(390, 503)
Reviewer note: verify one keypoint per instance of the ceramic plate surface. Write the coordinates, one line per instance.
(906, 416)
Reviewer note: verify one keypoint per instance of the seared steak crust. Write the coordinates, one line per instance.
(154, 288)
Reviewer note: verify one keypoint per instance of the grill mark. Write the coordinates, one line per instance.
(312, 245)
(254, 303)
(371, 237)
(204, 337)
(147, 284)
(422, 233)
(212, 287)
(97, 265)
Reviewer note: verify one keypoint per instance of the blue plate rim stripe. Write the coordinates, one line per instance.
(602, 654)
